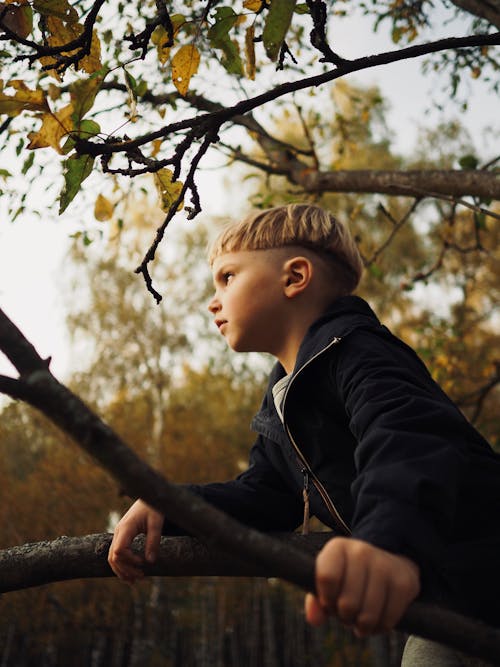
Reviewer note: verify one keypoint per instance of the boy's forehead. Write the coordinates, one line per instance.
(247, 256)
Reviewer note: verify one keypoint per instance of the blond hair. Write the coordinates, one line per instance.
(302, 225)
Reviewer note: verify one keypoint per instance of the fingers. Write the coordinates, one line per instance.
(126, 564)
(366, 588)
(140, 518)
(313, 610)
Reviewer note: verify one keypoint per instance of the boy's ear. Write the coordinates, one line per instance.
(297, 275)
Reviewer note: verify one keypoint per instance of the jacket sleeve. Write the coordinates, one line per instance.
(259, 497)
(411, 451)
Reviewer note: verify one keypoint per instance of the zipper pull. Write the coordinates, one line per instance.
(305, 496)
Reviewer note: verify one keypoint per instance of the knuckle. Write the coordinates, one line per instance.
(346, 607)
(366, 622)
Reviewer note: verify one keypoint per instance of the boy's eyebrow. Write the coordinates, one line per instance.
(223, 268)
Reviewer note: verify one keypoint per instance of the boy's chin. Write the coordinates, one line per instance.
(242, 346)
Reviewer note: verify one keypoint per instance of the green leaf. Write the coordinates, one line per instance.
(468, 161)
(376, 271)
(277, 23)
(396, 34)
(58, 8)
(28, 163)
(83, 93)
(76, 170)
(4, 173)
(302, 8)
(218, 34)
(86, 129)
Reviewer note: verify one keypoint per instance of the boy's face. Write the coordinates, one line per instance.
(249, 299)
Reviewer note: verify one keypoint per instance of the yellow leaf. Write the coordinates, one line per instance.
(184, 64)
(250, 52)
(103, 209)
(24, 99)
(160, 37)
(156, 147)
(252, 5)
(92, 62)
(62, 32)
(168, 190)
(55, 126)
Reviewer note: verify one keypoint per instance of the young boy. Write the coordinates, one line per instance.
(352, 426)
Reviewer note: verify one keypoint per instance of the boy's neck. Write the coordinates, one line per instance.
(295, 334)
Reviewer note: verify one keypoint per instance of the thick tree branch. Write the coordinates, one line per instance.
(197, 517)
(68, 558)
(486, 9)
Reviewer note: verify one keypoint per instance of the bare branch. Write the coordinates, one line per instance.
(67, 558)
(218, 118)
(397, 225)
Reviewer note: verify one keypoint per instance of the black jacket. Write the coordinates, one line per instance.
(387, 455)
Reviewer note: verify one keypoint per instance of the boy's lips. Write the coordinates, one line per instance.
(220, 323)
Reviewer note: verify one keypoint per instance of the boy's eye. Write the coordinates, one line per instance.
(226, 277)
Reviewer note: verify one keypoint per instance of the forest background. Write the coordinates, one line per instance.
(431, 274)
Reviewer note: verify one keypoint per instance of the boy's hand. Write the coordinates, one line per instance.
(366, 588)
(140, 518)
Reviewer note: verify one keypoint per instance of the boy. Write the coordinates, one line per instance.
(352, 426)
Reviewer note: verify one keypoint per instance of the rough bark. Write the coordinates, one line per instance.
(66, 558)
(416, 183)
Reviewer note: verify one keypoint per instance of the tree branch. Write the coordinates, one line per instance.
(196, 516)
(221, 116)
(84, 557)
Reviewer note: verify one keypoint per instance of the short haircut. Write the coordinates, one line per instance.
(302, 225)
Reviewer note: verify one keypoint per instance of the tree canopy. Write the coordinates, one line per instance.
(148, 88)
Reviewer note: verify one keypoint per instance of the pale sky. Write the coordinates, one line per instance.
(31, 251)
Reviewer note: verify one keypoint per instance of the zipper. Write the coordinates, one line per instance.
(306, 468)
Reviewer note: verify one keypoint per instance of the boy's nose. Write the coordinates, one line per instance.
(214, 305)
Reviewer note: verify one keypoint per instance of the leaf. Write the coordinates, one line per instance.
(277, 23)
(225, 19)
(28, 164)
(83, 93)
(63, 32)
(250, 52)
(55, 126)
(24, 99)
(184, 64)
(131, 85)
(302, 8)
(86, 129)
(252, 5)
(18, 18)
(160, 37)
(396, 34)
(168, 190)
(468, 162)
(4, 173)
(76, 170)
(103, 208)
(61, 9)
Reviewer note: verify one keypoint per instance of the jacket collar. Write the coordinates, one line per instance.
(342, 317)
